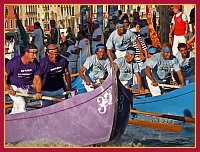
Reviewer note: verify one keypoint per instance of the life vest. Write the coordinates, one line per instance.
(180, 25)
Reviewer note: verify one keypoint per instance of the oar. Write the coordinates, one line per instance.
(33, 96)
(185, 119)
(157, 125)
(169, 86)
(10, 105)
(74, 75)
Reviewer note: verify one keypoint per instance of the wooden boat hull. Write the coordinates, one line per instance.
(85, 119)
(179, 102)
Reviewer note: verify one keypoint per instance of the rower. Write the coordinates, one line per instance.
(158, 69)
(52, 69)
(23, 71)
(120, 40)
(126, 67)
(95, 68)
(186, 61)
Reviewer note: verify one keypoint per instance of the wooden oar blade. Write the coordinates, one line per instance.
(179, 118)
(157, 125)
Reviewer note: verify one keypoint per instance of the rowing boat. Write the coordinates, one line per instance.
(90, 118)
(179, 102)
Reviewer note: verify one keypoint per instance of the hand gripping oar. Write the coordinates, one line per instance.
(185, 119)
(33, 96)
(157, 125)
(10, 105)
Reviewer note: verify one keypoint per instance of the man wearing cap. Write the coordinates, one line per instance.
(23, 72)
(120, 40)
(52, 69)
(97, 36)
(179, 27)
(54, 34)
(186, 60)
(158, 69)
(126, 67)
(96, 67)
(151, 51)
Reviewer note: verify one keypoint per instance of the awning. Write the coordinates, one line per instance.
(30, 28)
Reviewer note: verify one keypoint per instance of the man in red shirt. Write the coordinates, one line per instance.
(179, 27)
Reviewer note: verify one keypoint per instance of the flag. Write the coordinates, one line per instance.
(152, 32)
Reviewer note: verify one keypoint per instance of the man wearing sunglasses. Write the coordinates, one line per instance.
(53, 67)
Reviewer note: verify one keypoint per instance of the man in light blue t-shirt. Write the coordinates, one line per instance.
(95, 68)
(120, 40)
(186, 61)
(158, 69)
(126, 67)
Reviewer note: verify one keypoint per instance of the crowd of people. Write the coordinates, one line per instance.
(125, 44)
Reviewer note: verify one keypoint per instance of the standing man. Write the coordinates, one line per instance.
(38, 40)
(97, 36)
(83, 49)
(120, 40)
(95, 67)
(158, 69)
(126, 67)
(52, 69)
(23, 72)
(54, 34)
(186, 61)
(179, 27)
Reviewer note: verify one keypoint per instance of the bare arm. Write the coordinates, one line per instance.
(171, 30)
(37, 85)
(149, 75)
(7, 87)
(181, 78)
(81, 73)
(139, 80)
(68, 80)
(110, 55)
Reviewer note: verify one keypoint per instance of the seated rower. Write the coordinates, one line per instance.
(151, 51)
(186, 61)
(95, 68)
(23, 71)
(52, 69)
(126, 67)
(158, 69)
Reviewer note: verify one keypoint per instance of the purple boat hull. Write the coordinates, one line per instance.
(85, 119)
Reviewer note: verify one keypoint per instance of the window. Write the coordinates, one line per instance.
(6, 11)
(20, 10)
(6, 24)
(11, 24)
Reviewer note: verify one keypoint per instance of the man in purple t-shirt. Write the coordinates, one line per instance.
(23, 71)
(52, 68)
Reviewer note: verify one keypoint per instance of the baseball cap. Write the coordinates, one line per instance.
(176, 6)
